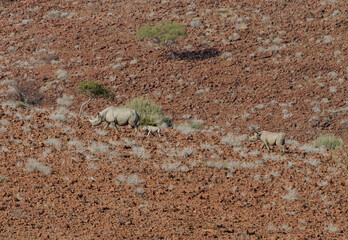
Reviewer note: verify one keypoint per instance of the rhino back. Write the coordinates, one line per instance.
(120, 115)
(269, 137)
(106, 111)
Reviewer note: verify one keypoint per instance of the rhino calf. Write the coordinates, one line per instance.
(116, 117)
(152, 130)
(269, 139)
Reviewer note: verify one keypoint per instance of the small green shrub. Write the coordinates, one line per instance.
(185, 128)
(328, 141)
(94, 89)
(21, 105)
(341, 156)
(164, 34)
(150, 113)
(195, 126)
(3, 178)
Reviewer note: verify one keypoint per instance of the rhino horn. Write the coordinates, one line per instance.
(95, 121)
(92, 120)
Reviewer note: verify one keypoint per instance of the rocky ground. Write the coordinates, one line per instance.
(244, 66)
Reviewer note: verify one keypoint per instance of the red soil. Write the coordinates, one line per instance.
(243, 56)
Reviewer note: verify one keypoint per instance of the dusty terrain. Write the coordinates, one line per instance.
(244, 66)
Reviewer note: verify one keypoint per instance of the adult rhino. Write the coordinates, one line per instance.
(116, 117)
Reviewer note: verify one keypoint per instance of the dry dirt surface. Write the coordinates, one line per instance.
(244, 66)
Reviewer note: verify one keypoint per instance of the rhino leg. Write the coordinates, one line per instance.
(106, 125)
(267, 146)
(114, 126)
(283, 148)
(135, 128)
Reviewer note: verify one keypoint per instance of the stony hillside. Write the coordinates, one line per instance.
(245, 66)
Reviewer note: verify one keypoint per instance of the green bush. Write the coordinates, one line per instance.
(164, 34)
(328, 141)
(3, 178)
(195, 126)
(21, 105)
(94, 89)
(149, 112)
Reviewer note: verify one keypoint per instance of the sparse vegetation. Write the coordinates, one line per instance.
(175, 152)
(292, 195)
(332, 228)
(26, 92)
(140, 152)
(53, 142)
(21, 105)
(101, 133)
(34, 166)
(66, 100)
(207, 146)
(245, 116)
(186, 152)
(329, 142)
(3, 129)
(312, 161)
(196, 124)
(132, 179)
(186, 129)
(60, 176)
(174, 167)
(308, 148)
(61, 114)
(340, 155)
(150, 113)
(98, 147)
(3, 178)
(94, 90)
(233, 165)
(233, 140)
(165, 34)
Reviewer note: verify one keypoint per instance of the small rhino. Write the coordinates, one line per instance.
(152, 130)
(269, 139)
